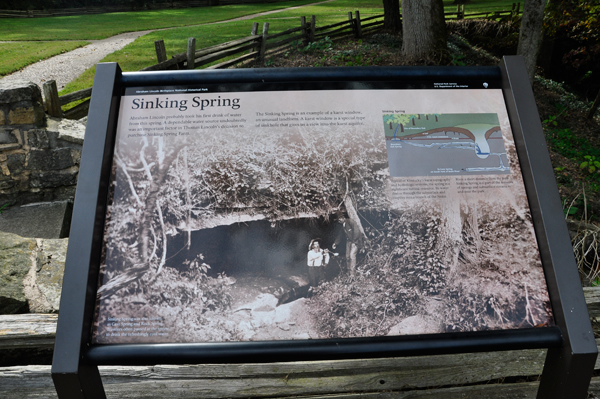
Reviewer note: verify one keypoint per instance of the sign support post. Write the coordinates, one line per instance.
(568, 369)
(73, 378)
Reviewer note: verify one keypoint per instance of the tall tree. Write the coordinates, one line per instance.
(424, 30)
(391, 15)
(530, 36)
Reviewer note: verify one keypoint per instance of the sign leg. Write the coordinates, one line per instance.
(85, 384)
(566, 374)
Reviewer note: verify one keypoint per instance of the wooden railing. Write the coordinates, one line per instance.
(254, 48)
(486, 375)
(461, 14)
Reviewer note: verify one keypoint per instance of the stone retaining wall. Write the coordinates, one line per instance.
(39, 156)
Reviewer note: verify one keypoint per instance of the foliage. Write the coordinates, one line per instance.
(577, 23)
(483, 281)
(385, 286)
(323, 44)
(499, 38)
(576, 18)
(570, 145)
(4, 207)
(591, 164)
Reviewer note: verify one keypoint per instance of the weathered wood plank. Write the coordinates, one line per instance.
(74, 96)
(286, 32)
(166, 64)
(298, 378)
(222, 54)
(234, 61)
(78, 111)
(378, 23)
(51, 101)
(27, 330)
(592, 299)
(343, 23)
(223, 46)
(370, 18)
(35, 382)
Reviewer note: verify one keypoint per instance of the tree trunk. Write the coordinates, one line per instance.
(530, 36)
(391, 15)
(424, 30)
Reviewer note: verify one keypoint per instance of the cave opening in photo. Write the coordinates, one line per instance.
(261, 248)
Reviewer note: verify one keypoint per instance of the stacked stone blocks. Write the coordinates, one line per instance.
(38, 162)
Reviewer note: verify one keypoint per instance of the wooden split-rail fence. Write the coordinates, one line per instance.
(487, 375)
(253, 48)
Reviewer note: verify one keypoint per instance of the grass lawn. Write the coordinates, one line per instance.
(100, 26)
(17, 55)
(141, 53)
(186, 23)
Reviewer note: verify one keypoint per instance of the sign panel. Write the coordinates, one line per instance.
(262, 212)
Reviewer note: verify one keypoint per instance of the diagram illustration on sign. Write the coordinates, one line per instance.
(459, 144)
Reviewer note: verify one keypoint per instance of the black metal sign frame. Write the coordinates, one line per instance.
(571, 346)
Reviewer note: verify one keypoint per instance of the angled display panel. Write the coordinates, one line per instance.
(311, 214)
(277, 213)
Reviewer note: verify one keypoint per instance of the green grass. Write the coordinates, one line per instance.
(475, 6)
(141, 53)
(100, 26)
(20, 54)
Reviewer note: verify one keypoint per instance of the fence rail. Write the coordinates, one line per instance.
(486, 375)
(253, 48)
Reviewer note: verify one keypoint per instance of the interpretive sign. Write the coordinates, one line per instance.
(219, 193)
(317, 214)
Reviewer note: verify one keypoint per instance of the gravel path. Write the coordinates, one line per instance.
(66, 67)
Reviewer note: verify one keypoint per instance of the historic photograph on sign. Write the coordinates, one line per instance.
(291, 215)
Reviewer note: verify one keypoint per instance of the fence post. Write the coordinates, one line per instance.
(161, 52)
(351, 22)
(358, 32)
(263, 44)
(459, 14)
(305, 33)
(51, 103)
(518, 8)
(191, 53)
(254, 32)
(313, 25)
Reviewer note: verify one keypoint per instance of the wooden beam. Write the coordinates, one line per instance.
(27, 331)
(161, 52)
(191, 51)
(75, 96)
(51, 102)
(263, 43)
